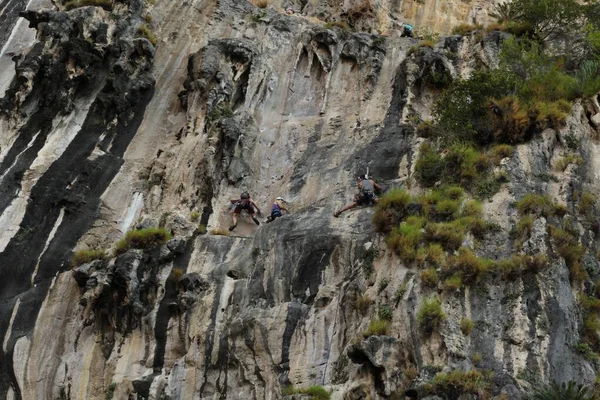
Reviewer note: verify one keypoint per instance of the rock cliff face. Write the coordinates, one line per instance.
(101, 134)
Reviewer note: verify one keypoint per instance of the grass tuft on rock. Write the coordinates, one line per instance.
(377, 327)
(142, 239)
(145, 31)
(430, 315)
(87, 256)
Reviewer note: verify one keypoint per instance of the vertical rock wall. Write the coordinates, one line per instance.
(102, 133)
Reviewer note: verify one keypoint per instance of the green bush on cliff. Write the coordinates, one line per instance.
(430, 315)
(316, 392)
(142, 239)
(454, 384)
(87, 256)
(145, 31)
(563, 391)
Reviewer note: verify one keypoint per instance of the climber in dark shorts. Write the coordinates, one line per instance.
(365, 195)
(244, 203)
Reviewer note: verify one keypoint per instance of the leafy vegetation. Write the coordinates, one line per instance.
(563, 391)
(142, 239)
(110, 392)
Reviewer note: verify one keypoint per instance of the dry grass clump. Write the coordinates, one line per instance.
(466, 326)
(142, 239)
(87, 256)
(260, 3)
(220, 232)
(464, 29)
(562, 163)
(377, 327)
(105, 4)
(362, 302)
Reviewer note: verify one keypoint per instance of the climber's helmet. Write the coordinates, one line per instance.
(245, 195)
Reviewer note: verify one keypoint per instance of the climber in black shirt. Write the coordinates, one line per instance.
(365, 195)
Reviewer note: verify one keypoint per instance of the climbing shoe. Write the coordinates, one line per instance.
(255, 221)
(232, 227)
(336, 214)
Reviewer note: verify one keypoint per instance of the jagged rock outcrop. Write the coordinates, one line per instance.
(103, 133)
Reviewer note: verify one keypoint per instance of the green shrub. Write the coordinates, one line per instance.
(429, 277)
(535, 264)
(383, 284)
(362, 302)
(465, 29)
(391, 210)
(110, 392)
(548, 17)
(194, 216)
(562, 163)
(472, 208)
(463, 164)
(145, 31)
(453, 283)
(500, 152)
(377, 327)
(87, 256)
(316, 392)
(564, 391)
(586, 351)
(425, 129)
(368, 260)
(510, 268)
(453, 384)
(385, 313)
(524, 227)
(400, 292)
(430, 315)
(429, 167)
(535, 204)
(466, 264)
(570, 250)
(427, 43)
(466, 326)
(202, 229)
(105, 4)
(587, 202)
(449, 235)
(404, 240)
(435, 254)
(142, 239)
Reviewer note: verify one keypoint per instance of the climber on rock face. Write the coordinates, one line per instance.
(276, 209)
(365, 195)
(244, 203)
(407, 32)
